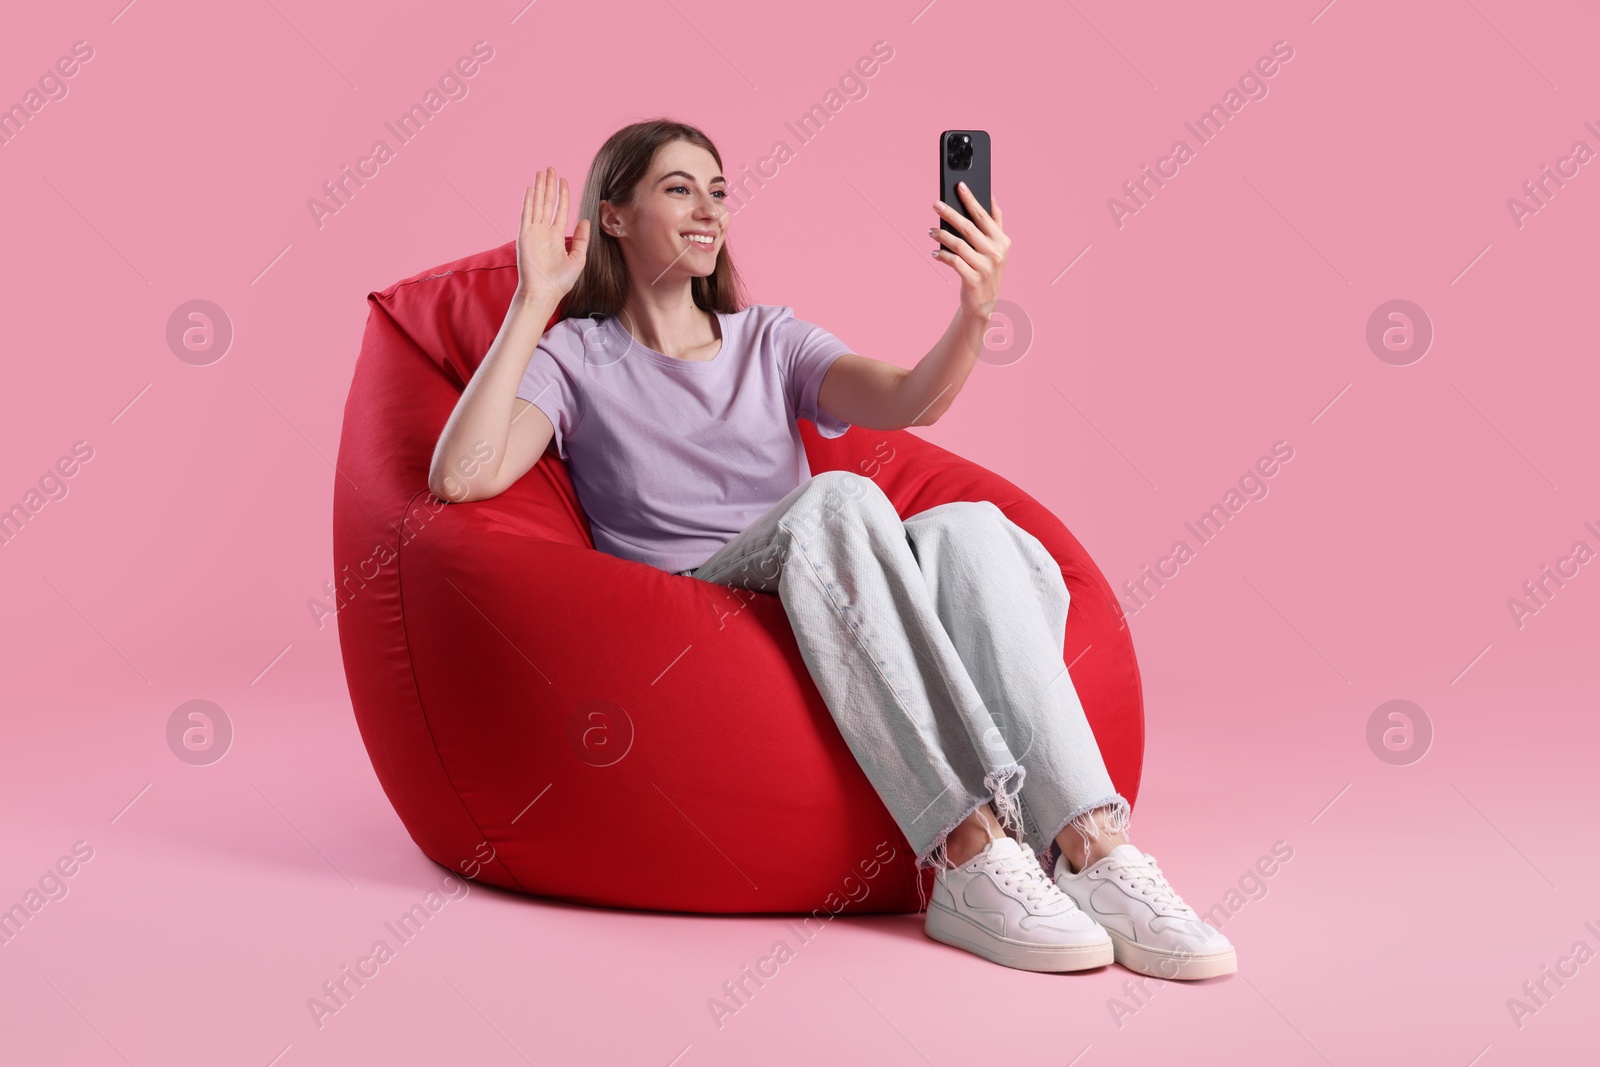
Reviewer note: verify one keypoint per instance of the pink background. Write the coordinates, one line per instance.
(1224, 316)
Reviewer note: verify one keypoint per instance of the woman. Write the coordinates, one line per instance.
(935, 641)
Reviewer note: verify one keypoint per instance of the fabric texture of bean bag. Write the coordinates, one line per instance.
(534, 707)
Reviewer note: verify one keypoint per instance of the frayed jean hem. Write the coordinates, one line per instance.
(1117, 820)
(1003, 784)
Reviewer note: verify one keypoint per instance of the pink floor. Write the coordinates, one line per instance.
(1431, 888)
(1416, 902)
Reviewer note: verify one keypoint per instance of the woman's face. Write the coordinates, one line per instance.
(677, 223)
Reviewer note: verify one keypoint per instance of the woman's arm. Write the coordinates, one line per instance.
(493, 437)
(881, 396)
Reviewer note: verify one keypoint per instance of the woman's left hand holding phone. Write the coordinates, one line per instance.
(977, 252)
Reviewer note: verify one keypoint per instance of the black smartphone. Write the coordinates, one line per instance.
(963, 157)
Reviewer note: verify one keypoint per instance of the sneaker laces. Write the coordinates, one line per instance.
(1021, 869)
(1146, 879)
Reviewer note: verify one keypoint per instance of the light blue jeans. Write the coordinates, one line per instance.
(936, 643)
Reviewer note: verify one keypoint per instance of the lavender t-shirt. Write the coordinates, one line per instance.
(672, 458)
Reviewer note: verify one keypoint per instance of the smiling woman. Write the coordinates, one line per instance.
(656, 195)
(677, 415)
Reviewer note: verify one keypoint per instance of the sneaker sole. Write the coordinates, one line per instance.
(945, 926)
(1178, 966)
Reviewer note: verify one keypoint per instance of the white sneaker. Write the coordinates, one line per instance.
(1154, 931)
(1002, 906)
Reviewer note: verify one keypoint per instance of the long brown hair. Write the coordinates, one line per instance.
(602, 287)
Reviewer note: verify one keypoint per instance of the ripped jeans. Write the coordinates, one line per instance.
(936, 644)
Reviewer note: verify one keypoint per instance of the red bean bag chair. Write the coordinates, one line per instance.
(555, 720)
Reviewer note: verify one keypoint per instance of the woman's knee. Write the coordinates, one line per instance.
(848, 493)
(979, 534)
(958, 514)
(959, 525)
(843, 482)
(992, 521)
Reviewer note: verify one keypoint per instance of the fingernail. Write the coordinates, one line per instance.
(962, 184)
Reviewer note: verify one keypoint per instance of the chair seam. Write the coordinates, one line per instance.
(411, 667)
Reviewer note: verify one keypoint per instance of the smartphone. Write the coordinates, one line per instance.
(963, 157)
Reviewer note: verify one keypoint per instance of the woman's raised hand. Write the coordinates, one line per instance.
(544, 266)
(976, 252)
